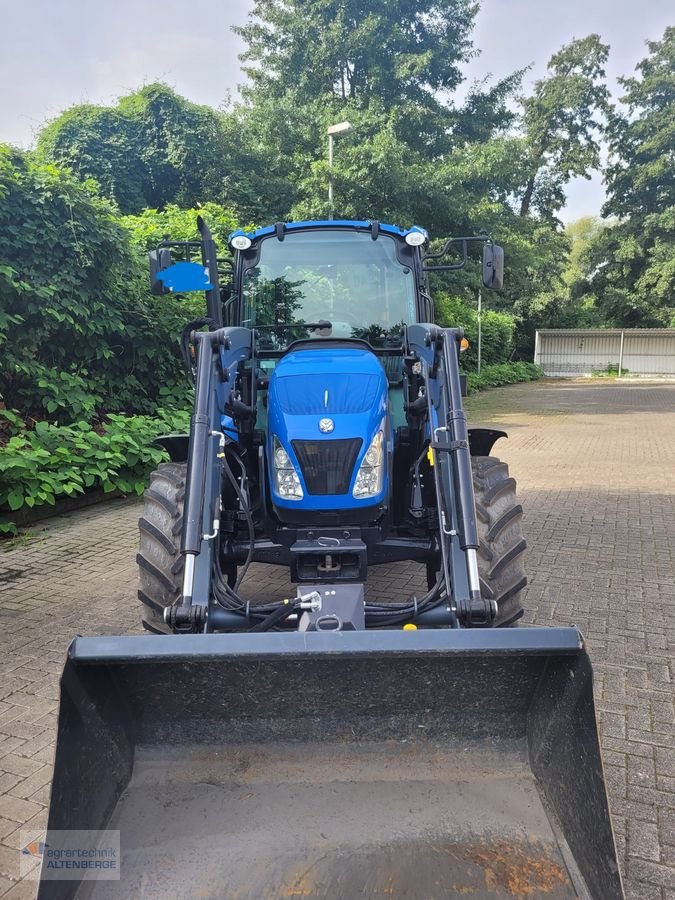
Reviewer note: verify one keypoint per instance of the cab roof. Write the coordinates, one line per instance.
(353, 224)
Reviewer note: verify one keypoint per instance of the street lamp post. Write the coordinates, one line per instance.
(480, 328)
(340, 128)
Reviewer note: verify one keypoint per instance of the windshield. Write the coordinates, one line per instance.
(328, 283)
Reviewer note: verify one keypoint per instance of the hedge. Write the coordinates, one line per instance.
(504, 373)
(498, 329)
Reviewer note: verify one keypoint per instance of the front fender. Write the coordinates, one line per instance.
(176, 445)
(482, 440)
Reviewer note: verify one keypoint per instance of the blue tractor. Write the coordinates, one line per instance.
(328, 437)
(326, 745)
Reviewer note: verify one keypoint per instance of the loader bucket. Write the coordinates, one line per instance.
(415, 764)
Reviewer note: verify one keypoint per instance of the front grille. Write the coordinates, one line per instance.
(327, 466)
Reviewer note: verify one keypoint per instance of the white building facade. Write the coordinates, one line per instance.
(565, 352)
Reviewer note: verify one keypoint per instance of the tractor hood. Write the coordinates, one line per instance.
(326, 407)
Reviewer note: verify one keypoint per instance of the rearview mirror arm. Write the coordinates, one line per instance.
(464, 241)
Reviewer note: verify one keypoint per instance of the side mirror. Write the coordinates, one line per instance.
(493, 267)
(159, 260)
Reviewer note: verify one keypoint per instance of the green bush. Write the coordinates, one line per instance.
(50, 462)
(153, 147)
(505, 373)
(80, 333)
(498, 329)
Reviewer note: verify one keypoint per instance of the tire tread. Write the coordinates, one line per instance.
(160, 563)
(500, 554)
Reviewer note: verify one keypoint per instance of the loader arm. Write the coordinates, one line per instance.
(219, 353)
(437, 350)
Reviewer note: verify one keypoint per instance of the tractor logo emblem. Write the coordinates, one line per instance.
(326, 426)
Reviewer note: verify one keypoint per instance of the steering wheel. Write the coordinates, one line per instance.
(334, 317)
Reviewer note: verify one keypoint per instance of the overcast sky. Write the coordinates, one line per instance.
(59, 52)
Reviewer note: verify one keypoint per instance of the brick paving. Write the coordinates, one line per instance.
(595, 462)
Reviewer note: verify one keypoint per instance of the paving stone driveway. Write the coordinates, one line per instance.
(595, 463)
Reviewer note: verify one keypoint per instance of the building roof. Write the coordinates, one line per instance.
(599, 332)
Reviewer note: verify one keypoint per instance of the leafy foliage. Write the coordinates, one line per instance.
(154, 147)
(642, 177)
(637, 285)
(497, 330)
(625, 275)
(562, 121)
(50, 462)
(389, 69)
(151, 226)
(351, 51)
(80, 334)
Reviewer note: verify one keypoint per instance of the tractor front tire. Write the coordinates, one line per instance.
(500, 555)
(160, 563)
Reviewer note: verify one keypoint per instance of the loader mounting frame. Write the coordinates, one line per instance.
(458, 601)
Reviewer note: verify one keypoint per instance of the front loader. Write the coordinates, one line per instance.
(324, 744)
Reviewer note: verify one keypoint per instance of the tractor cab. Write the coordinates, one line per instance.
(336, 280)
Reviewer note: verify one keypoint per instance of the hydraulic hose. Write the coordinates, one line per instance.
(285, 608)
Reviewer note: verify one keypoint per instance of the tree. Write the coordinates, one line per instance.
(387, 67)
(613, 260)
(581, 234)
(154, 147)
(576, 304)
(270, 144)
(405, 51)
(635, 260)
(487, 109)
(98, 142)
(390, 68)
(413, 155)
(641, 177)
(562, 121)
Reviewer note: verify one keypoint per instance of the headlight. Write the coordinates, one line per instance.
(286, 481)
(370, 476)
